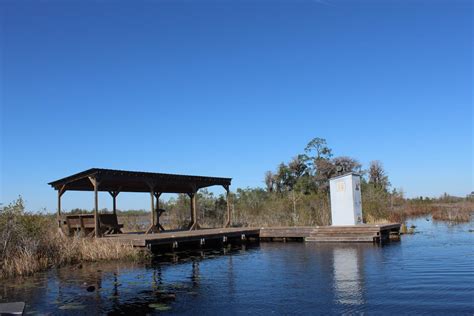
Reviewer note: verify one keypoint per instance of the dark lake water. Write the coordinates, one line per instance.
(431, 272)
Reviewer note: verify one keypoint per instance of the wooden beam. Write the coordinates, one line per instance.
(95, 182)
(114, 195)
(191, 208)
(193, 203)
(194, 220)
(152, 208)
(158, 214)
(157, 197)
(61, 191)
(58, 216)
(114, 204)
(229, 220)
(153, 227)
(151, 184)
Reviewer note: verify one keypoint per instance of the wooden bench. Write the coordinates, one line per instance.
(85, 223)
(109, 224)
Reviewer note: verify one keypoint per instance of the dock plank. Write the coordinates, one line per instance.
(356, 233)
(142, 240)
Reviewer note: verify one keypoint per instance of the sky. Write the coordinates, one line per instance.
(232, 88)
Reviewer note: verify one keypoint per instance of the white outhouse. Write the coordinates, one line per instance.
(346, 202)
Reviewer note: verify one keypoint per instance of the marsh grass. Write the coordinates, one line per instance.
(31, 242)
(457, 213)
(260, 208)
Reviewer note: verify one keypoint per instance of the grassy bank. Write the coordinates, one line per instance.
(31, 242)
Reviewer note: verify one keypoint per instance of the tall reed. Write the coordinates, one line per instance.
(30, 243)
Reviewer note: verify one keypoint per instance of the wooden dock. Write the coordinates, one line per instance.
(357, 233)
(174, 239)
(177, 238)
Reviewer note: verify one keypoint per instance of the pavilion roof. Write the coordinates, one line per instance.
(136, 181)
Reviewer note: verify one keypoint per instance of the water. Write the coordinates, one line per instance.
(431, 272)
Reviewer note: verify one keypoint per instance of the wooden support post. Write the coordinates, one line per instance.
(61, 191)
(191, 197)
(194, 221)
(158, 214)
(95, 182)
(114, 195)
(152, 227)
(152, 207)
(59, 210)
(229, 220)
(193, 203)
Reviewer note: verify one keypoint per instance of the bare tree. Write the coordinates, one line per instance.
(377, 175)
(270, 181)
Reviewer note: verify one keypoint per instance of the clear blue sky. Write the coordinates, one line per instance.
(232, 88)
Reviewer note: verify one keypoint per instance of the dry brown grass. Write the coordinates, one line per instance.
(457, 212)
(31, 242)
(453, 212)
(62, 250)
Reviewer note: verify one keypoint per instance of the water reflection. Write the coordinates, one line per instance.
(430, 272)
(347, 267)
(116, 287)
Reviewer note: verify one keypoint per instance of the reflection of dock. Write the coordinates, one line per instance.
(357, 233)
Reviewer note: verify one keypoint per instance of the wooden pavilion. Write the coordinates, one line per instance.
(116, 181)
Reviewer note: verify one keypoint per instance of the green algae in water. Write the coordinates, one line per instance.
(160, 307)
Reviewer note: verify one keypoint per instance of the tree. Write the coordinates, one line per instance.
(377, 175)
(325, 169)
(298, 166)
(319, 145)
(285, 180)
(310, 172)
(270, 181)
(346, 164)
